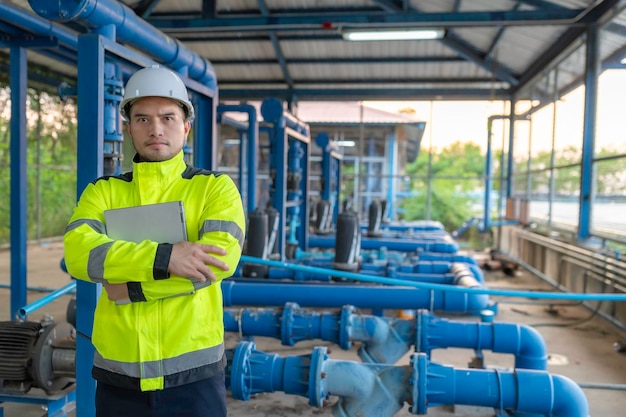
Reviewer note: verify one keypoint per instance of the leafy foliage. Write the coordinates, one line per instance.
(456, 173)
(51, 164)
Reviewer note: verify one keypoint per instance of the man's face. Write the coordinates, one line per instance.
(158, 128)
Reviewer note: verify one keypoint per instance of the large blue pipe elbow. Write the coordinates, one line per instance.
(130, 29)
(364, 390)
(524, 342)
(368, 390)
(272, 111)
(521, 391)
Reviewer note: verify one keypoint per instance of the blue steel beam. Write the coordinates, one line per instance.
(280, 57)
(366, 81)
(341, 60)
(317, 21)
(596, 11)
(362, 93)
(18, 85)
(145, 8)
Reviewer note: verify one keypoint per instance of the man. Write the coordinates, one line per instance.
(158, 327)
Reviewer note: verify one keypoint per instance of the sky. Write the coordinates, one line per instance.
(450, 121)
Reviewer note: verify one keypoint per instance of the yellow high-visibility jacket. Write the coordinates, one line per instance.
(172, 333)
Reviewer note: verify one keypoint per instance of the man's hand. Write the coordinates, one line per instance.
(192, 260)
(116, 292)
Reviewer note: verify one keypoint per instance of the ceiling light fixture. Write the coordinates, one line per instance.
(393, 35)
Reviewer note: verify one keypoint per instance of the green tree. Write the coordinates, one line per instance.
(457, 180)
(51, 164)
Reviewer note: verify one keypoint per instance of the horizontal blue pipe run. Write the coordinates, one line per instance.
(361, 296)
(131, 29)
(428, 286)
(443, 245)
(23, 312)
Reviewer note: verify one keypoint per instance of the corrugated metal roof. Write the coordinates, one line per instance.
(348, 112)
(294, 49)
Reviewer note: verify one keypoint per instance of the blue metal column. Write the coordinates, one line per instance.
(589, 128)
(392, 167)
(90, 166)
(201, 155)
(488, 179)
(18, 84)
(302, 211)
(252, 149)
(278, 144)
(202, 131)
(510, 160)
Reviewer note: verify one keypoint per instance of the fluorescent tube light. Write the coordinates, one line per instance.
(393, 35)
(346, 143)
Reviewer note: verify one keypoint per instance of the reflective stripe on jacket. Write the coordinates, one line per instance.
(173, 327)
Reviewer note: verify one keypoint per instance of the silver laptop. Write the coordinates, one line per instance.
(162, 223)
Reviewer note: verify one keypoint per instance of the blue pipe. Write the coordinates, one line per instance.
(374, 390)
(456, 274)
(522, 341)
(273, 112)
(385, 340)
(413, 226)
(328, 295)
(253, 145)
(33, 23)
(445, 244)
(23, 312)
(130, 29)
(291, 325)
(523, 391)
(444, 288)
(448, 257)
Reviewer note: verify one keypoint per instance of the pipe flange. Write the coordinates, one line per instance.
(345, 327)
(318, 391)
(42, 370)
(421, 331)
(287, 322)
(418, 383)
(241, 371)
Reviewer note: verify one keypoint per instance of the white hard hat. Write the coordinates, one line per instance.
(156, 81)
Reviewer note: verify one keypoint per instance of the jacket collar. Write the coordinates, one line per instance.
(164, 170)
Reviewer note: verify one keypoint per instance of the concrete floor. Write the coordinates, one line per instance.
(584, 352)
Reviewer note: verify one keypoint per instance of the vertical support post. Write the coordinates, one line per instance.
(429, 171)
(202, 135)
(90, 166)
(587, 176)
(488, 179)
(303, 230)
(552, 191)
(391, 169)
(510, 161)
(337, 184)
(18, 84)
(279, 148)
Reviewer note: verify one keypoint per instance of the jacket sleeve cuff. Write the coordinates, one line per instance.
(161, 261)
(135, 292)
